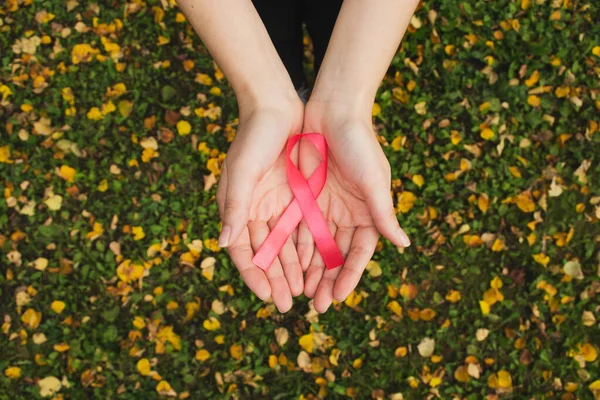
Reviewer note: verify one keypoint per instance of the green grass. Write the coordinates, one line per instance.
(488, 202)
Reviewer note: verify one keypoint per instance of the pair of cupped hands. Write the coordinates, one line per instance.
(253, 193)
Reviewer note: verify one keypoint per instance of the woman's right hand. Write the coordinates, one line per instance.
(253, 193)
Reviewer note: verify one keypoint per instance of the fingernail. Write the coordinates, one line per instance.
(403, 238)
(224, 236)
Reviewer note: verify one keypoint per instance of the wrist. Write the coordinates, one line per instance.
(269, 98)
(344, 99)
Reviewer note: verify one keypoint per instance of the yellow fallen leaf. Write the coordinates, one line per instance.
(481, 334)
(353, 299)
(395, 307)
(504, 380)
(461, 374)
(202, 355)
(533, 79)
(163, 388)
(103, 185)
(496, 283)
(67, 173)
(97, 230)
(514, 171)
(453, 296)
(421, 108)
(184, 127)
(541, 258)
(57, 306)
(334, 357)
(128, 272)
(401, 351)
(204, 79)
(427, 314)
(562, 91)
(49, 386)
(139, 323)
(492, 295)
(398, 142)
(374, 269)
(125, 107)
(12, 372)
(143, 366)
(94, 114)
(211, 324)
(138, 233)
(406, 201)
(589, 352)
(483, 202)
(273, 361)
(31, 318)
(5, 155)
(41, 263)
(418, 180)
(485, 307)
(455, 137)
(54, 202)
(307, 342)
(376, 110)
(235, 350)
(533, 100)
(426, 347)
(498, 245)
(487, 134)
(525, 202)
(61, 347)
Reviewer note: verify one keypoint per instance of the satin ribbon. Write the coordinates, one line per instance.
(304, 206)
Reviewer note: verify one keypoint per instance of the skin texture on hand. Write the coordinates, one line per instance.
(253, 193)
(253, 190)
(356, 198)
(355, 201)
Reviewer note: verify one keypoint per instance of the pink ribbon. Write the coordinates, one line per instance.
(304, 206)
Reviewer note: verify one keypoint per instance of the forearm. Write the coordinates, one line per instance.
(364, 41)
(238, 41)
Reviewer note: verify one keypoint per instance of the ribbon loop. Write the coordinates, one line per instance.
(304, 206)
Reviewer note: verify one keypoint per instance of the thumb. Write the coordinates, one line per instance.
(384, 215)
(236, 205)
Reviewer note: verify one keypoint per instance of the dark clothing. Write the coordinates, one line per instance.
(283, 20)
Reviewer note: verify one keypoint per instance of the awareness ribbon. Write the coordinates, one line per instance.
(304, 205)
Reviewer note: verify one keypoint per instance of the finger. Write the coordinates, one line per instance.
(315, 270)
(361, 251)
(288, 257)
(305, 245)
(236, 202)
(280, 291)
(324, 294)
(384, 215)
(241, 254)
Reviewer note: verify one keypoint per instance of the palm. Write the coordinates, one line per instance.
(253, 193)
(342, 201)
(345, 208)
(355, 202)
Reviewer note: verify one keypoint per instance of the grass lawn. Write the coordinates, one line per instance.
(114, 123)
